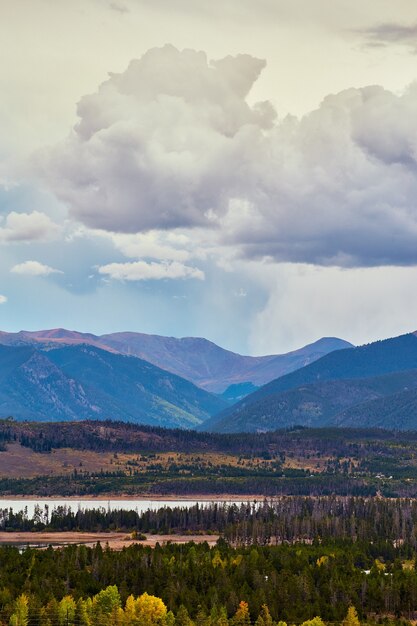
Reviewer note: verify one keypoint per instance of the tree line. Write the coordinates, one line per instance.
(271, 521)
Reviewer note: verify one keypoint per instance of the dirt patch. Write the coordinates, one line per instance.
(116, 541)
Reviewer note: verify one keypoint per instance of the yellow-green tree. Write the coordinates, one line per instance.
(351, 618)
(81, 613)
(264, 617)
(66, 611)
(20, 614)
(316, 621)
(182, 618)
(106, 607)
(218, 616)
(145, 610)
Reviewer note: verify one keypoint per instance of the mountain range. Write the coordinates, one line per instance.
(65, 375)
(198, 360)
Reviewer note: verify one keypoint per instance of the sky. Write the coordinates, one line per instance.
(242, 171)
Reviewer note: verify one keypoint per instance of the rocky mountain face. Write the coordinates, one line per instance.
(84, 382)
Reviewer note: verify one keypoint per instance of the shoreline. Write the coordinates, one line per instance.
(143, 497)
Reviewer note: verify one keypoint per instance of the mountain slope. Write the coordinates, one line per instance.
(198, 360)
(397, 411)
(82, 382)
(273, 402)
(327, 403)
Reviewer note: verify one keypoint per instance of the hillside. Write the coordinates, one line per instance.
(105, 457)
(395, 411)
(346, 403)
(198, 360)
(82, 382)
(304, 397)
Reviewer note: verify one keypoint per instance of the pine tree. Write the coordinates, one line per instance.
(182, 617)
(264, 617)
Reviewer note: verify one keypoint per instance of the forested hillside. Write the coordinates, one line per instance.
(315, 394)
(85, 382)
(113, 458)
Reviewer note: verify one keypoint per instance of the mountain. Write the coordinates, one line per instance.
(84, 382)
(317, 393)
(348, 403)
(198, 360)
(398, 411)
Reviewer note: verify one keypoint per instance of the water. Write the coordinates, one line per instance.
(127, 504)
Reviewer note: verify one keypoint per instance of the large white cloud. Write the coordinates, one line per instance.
(157, 146)
(3, 299)
(338, 187)
(172, 143)
(34, 226)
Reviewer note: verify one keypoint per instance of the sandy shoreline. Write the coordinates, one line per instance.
(116, 541)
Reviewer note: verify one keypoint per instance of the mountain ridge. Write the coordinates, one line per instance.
(85, 382)
(196, 359)
(376, 359)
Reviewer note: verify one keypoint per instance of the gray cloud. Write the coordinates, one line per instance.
(390, 33)
(172, 143)
(119, 7)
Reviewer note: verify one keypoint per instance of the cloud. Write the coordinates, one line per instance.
(34, 268)
(160, 142)
(389, 33)
(172, 144)
(3, 299)
(153, 245)
(338, 187)
(141, 270)
(306, 303)
(24, 227)
(119, 7)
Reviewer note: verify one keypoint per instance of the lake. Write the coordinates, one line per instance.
(128, 504)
